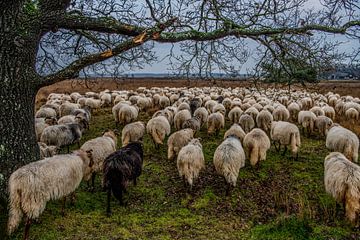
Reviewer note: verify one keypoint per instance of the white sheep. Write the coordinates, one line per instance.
(256, 143)
(67, 107)
(180, 118)
(234, 114)
(264, 120)
(127, 114)
(307, 121)
(47, 151)
(285, 133)
(177, 140)
(158, 128)
(329, 112)
(352, 115)
(294, 110)
(33, 185)
(339, 139)
(215, 122)
(246, 122)
(41, 124)
(202, 113)
(342, 182)
(236, 130)
(190, 161)
(323, 124)
(132, 132)
(93, 104)
(229, 157)
(101, 147)
(46, 112)
(280, 113)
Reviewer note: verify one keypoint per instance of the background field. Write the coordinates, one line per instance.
(284, 199)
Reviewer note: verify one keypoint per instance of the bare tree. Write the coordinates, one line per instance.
(45, 41)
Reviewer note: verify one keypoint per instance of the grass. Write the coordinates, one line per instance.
(284, 199)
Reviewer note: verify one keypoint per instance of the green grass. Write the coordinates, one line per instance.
(284, 199)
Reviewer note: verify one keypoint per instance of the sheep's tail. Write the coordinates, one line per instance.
(157, 136)
(185, 169)
(15, 213)
(230, 174)
(115, 183)
(352, 203)
(254, 155)
(293, 143)
(126, 139)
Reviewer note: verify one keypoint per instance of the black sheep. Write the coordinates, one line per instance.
(121, 167)
(194, 104)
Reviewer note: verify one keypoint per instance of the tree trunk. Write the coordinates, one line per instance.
(19, 83)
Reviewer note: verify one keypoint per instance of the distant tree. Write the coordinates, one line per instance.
(46, 41)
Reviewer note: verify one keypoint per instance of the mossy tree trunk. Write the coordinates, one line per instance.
(18, 87)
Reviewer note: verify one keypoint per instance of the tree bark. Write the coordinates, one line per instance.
(19, 83)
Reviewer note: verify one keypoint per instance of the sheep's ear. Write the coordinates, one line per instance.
(116, 131)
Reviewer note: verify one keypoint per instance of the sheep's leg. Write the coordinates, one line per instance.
(285, 149)
(68, 149)
(276, 148)
(228, 189)
(121, 198)
(134, 181)
(108, 210)
(184, 181)
(63, 207)
(27, 228)
(73, 198)
(93, 182)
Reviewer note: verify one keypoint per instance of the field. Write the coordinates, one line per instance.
(284, 199)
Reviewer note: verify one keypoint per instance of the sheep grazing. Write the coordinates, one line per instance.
(202, 113)
(63, 135)
(342, 182)
(67, 107)
(194, 123)
(317, 111)
(177, 140)
(352, 115)
(280, 113)
(246, 122)
(342, 140)
(127, 114)
(132, 132)
(93, 104)
(180, 118)
(158, 128)
(101, 147)
(285, 133)
(236, 130)
(256, 144)
(329, 112)
(33, 185)
(41, 124)
(190, 161)
(47, 151)
(294, 110)
(307, 121)
(229, 157)
(323, 124)
(234, 114)
(46, 112)
(121, 167)
(215, 123)
(264, 120)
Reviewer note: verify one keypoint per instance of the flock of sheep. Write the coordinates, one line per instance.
(258, 119)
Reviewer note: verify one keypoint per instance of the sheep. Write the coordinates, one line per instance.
(75, 96)
(323, 124)
(215, 122)
(246, 122)
(105, 99)
(294, 110)
(317, 111)
(68, 119)
(280, 113)
(84, 113)
(229, 157)
(180, 117)
(46, 113)
(352, 114)
(307, 121)
(209, 105)
(234, 114)
(33, 185)
(121, 167)
(264, 120)
(144, 103)
(236, 130)
(93, 103)
(132, 132)
(127, 114)
(219, 108)
(190, 161)
(63, 135)
(164, 102)
(67, 107)
(329, 112)
(202, 113)
(253, 112)
(285, 134)
(41, 124)
(184, 106)
(342, 182)
(101, 147)
(177, 140)
(339, 139)
(158, 128)
(194, 123)
(47, 151)
(256, 143)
